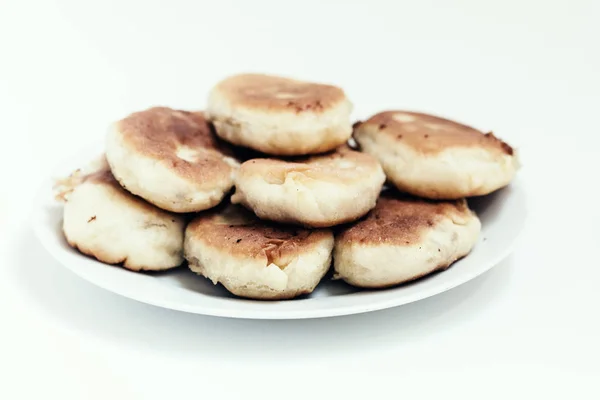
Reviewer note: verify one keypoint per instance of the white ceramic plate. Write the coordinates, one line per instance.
(502, 215)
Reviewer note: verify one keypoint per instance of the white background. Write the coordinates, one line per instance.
(528, 69)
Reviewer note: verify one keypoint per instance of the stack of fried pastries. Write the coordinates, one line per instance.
(272, 185)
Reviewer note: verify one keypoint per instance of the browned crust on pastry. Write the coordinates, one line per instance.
(429, 133)
(159, 132)
(402, 220)
(238, 232)
(275, 93)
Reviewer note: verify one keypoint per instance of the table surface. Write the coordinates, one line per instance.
(528, 70)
